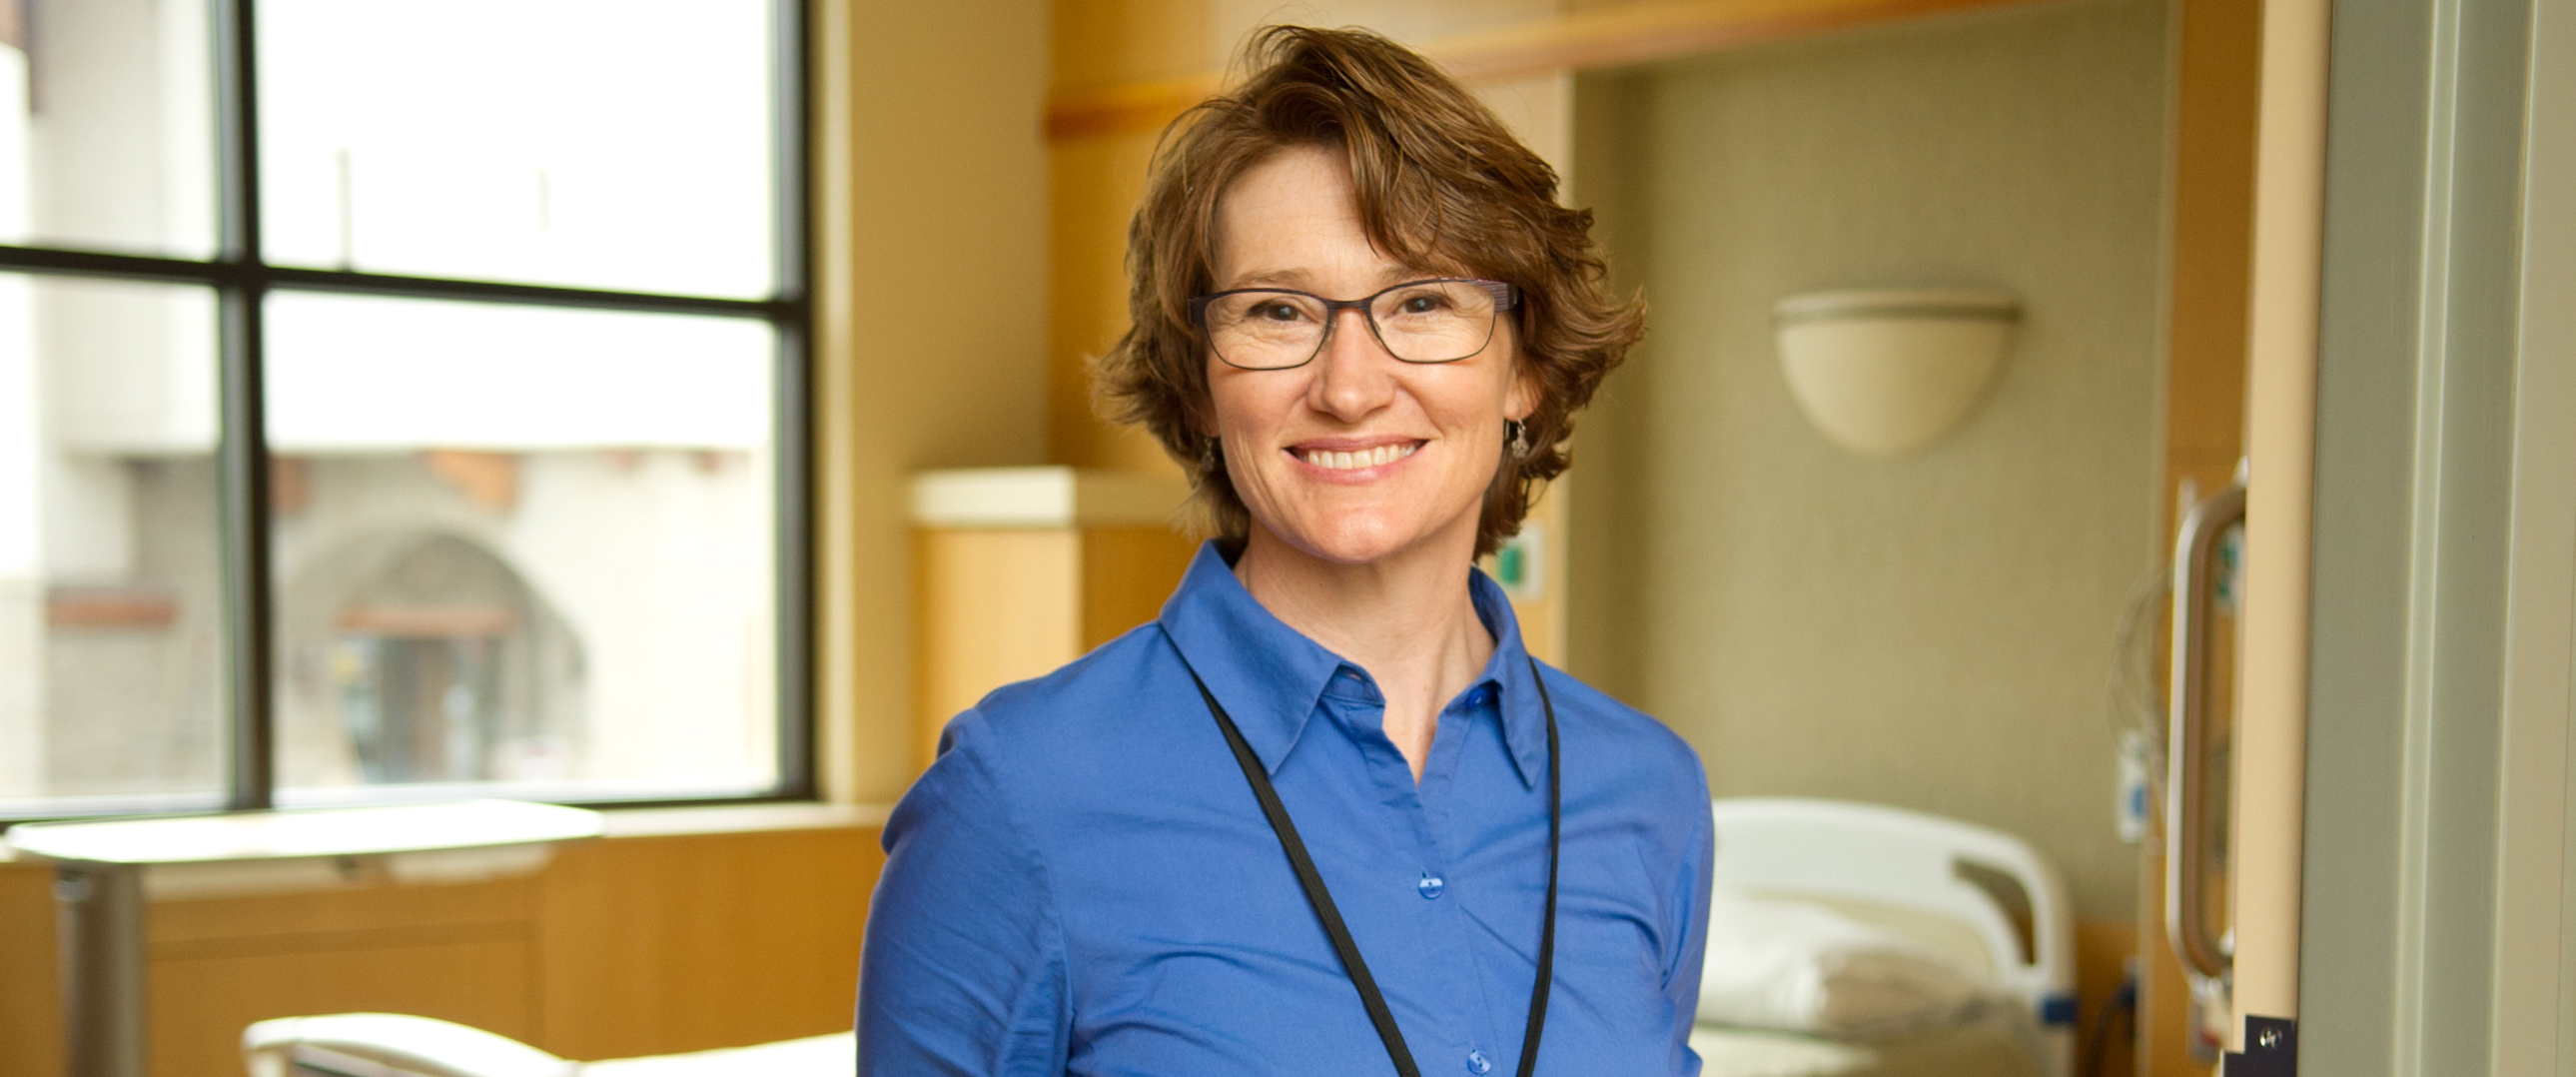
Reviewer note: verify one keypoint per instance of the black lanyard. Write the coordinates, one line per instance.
(1326, 911)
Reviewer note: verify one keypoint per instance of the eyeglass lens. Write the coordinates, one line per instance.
(1423, 322)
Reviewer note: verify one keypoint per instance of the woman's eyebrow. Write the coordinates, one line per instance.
(1298, 278)
(1273, 278)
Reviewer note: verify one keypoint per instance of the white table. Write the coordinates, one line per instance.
(99, 868)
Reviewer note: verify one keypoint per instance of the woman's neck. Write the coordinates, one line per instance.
(1407, 619)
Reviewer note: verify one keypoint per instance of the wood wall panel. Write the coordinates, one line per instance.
(1094, 186)
(2102, 952)
(997, 605)
(657, 945)
(2212, 226)
(1104, 43)
(200, 1005)
(619, 947)
(1586, 36)
(360, 909)
(991, 606)
(1127, 572)
(456, 952)
(1102, 46)
(31, 1015)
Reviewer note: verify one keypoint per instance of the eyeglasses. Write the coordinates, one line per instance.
(1442, 320)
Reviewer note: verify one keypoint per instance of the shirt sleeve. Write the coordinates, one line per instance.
(963, 969)
(1681, 978)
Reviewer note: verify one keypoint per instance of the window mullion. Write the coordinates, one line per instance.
(791, 139)
(242, 467)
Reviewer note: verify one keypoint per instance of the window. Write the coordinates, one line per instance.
(401, 401)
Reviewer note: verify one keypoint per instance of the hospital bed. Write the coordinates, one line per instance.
(1856, 940)
(400, 1045)
(1846, 940)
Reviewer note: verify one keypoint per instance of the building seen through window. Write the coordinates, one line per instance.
(522, 541)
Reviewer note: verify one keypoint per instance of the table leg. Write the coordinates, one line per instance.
(101, 908)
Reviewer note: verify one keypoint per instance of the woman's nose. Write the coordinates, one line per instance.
(1354, 374)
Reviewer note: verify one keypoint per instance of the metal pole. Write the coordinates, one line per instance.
(2187, 758)
(101, 933)
(241, 461)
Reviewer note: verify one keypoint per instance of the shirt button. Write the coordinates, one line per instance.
(1431, 886)
(1476, 1062)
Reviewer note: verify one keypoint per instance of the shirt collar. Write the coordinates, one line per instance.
(1268, 676)
(1511, 671)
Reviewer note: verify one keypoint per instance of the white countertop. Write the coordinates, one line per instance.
(275, 835)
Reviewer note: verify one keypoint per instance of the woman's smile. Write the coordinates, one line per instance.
(1354, 460)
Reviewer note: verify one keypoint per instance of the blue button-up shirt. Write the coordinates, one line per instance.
(1083, 882)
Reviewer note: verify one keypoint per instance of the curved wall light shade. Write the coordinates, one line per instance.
(1883, 372)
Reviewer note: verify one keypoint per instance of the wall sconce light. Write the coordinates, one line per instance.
(1884, 372)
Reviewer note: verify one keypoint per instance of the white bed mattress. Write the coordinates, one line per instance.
(835, 1055)
(1984, 1048)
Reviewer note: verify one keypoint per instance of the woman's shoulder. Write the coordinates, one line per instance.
(1087, 706)
(1114, 671)
(1643, 753)
(1045, 739)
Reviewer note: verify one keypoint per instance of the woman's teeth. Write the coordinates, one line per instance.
(1346, 461)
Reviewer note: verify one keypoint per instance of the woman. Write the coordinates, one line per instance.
(1325, 816)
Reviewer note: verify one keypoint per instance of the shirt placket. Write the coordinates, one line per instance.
(1447, 930)
(1451, 977)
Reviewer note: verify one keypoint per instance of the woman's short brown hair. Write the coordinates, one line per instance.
(1442, 186)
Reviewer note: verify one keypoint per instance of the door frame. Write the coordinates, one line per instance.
(2535, 975)
(2421, 344)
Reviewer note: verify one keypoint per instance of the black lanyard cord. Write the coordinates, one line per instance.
(1547, 935)
(1331, 915)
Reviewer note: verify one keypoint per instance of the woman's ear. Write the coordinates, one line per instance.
(1523, 397)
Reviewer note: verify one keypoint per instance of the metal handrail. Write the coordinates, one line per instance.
(2186, 911)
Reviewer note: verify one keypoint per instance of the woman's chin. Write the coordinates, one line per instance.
(1357, 540)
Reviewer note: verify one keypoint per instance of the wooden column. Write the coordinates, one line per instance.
(1020, 570)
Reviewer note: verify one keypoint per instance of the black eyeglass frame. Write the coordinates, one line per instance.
(1506, 297)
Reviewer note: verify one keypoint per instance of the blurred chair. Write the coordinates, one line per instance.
(398, 1045)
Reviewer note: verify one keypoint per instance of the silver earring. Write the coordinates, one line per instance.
(1517, 438)
(1211, 456)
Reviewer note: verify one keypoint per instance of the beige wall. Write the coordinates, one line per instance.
(1933, 632)
(933, 322)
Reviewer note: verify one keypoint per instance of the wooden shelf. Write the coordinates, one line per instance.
(1591, 38)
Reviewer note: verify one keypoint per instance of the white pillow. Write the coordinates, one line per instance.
(1800, 967)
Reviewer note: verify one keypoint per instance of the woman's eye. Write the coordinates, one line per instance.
(1278, 312)
(1422, 303)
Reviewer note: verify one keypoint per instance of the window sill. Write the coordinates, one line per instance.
(694, 820)
(739, 819)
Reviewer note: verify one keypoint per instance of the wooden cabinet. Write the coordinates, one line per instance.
(31, 1007)
(1019, 570)
(670, 935)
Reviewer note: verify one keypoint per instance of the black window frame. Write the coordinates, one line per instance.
(241, 279)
